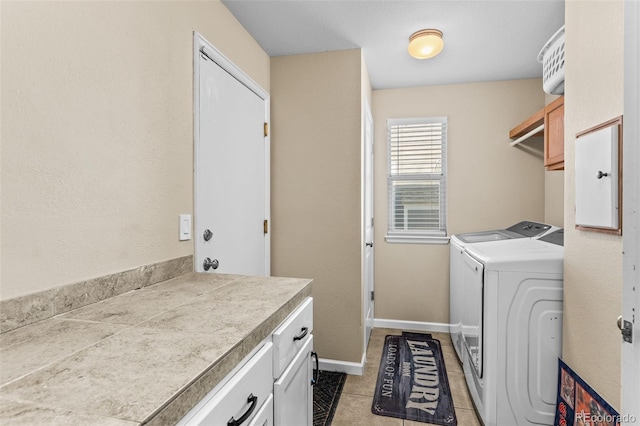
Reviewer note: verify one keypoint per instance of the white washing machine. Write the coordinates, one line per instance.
(512, 328)
(458, 243)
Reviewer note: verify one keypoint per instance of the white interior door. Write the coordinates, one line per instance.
(230, 172)
(631, 221)
(368, 257)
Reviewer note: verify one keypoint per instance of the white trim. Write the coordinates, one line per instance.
(415, 120)
(267, 189)
(630, 379)
(411, 325)
(415, 239)
(196, 144)
(201, 44)
(353, 368)
(357, 369)
(366, 116)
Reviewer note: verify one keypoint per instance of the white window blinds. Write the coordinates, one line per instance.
(416, 180)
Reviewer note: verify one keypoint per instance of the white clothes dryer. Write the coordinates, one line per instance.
(512, 328)
(524, 229)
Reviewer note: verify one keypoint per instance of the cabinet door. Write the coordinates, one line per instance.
(554, 135)
(293, 393)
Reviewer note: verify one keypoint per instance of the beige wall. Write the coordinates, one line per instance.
(553, 188)
(97, 133)
(554, 198)
(490, 184)
(367, 92)
(315, 196)
(593, 261)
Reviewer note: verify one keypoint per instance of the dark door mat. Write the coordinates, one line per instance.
(412, 381)
(326, 394)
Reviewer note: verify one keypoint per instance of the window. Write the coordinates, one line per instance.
(416, 179)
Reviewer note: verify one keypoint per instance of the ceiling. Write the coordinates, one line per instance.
(484, 40)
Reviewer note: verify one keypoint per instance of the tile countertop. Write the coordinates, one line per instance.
(144, 357)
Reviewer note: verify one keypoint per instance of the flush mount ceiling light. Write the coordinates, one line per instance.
(425, 44)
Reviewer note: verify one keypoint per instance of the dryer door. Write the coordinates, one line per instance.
(473, 282)
(456, 254)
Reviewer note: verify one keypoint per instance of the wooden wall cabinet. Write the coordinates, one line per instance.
(552, 116)
(554, 135)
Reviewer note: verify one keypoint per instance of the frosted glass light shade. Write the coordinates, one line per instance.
(425, 44)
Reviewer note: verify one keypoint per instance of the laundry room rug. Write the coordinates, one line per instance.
(412, 381)
(326, 394)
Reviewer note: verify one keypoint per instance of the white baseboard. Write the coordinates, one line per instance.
(354, 368)
(411, 325)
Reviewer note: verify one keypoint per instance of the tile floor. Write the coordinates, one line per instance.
(354, 407)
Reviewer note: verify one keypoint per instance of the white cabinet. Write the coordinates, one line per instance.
(241, 398)
(293, 369)
(293, 392)
(271, 387)
(291, 336)
(264, 417)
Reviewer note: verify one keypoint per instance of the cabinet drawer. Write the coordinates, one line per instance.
(237, 397)
(264, 417)
(291, 336)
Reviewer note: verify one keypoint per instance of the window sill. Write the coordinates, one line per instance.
(416, 239)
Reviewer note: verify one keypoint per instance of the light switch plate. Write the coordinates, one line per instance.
(185, 227)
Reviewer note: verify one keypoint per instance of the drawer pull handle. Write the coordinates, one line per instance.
(316, 371)
(253, 400)
(300, 336)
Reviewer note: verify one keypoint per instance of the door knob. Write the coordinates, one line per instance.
(208, 263)
(620, 322)
(626, 328)
(207, 234)
(370, 244)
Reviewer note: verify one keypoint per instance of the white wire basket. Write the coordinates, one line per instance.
(552, 59)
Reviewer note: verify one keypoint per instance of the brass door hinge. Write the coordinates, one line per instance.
(265, 226)
(266, 129)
